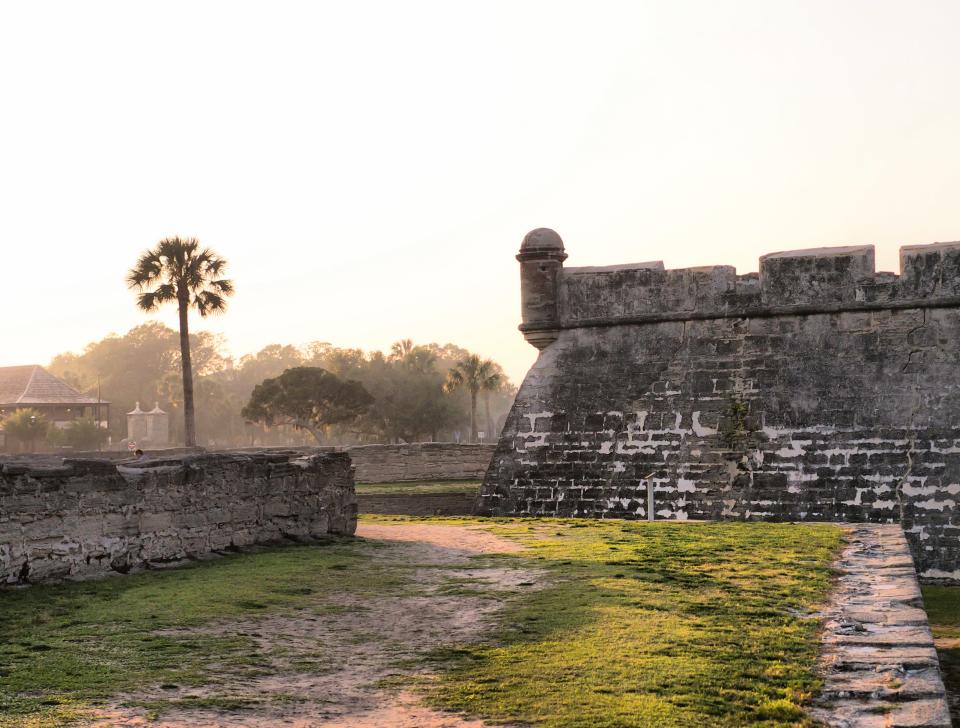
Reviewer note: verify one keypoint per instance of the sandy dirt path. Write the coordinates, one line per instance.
(362, 641)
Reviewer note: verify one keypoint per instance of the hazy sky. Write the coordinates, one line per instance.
(369, 169)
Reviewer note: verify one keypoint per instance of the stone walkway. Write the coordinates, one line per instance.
(878, 661)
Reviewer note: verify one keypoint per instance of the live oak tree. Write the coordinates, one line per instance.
(177, 270)
(410, 403)
(309, 398)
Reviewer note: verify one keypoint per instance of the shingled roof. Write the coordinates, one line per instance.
(34, 385)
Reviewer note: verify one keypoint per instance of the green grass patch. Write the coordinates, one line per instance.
(67, 647)
(943, 610)
(220, 703)
(644, 624)
(418, 488)
(639, 624)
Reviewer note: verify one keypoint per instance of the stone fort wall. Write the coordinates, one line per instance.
(817, 389)
(69, 518)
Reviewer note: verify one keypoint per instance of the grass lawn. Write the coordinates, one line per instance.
(440, 486)
(664, 624)
(65, 647)
(637, 624)
(943, 609)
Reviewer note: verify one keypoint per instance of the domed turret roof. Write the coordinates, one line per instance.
(541, 239)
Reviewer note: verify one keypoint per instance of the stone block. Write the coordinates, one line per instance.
(816, 275)
(930, 270)
(150, 522)
(277, 507)
(43, 528)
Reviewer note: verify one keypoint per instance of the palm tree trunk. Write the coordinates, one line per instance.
(189, 423)
(486, 404)
(473, 416)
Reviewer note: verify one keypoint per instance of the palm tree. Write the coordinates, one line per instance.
(179, 270)
(491, 377)
(419, 358)
(402, 349)
(476, 375)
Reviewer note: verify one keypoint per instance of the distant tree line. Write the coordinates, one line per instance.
(417, 392)
(282, 394)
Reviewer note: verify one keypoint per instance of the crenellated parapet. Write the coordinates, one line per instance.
(818, 280)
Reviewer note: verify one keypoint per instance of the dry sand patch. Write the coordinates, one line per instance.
(361, 642)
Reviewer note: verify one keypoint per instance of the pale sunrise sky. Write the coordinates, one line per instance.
(370, 168)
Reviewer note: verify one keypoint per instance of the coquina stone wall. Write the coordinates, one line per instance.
(420, 461)
(80, 517)
(417, 504)
(373, 463)
(817, 389)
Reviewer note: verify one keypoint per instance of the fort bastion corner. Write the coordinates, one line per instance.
(817, 389)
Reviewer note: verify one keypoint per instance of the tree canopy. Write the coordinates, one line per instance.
(410, 404)
(27, 425)
(308, 398)
(83, 434)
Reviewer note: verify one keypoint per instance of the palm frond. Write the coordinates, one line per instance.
(147, 269)
(222, 286)
(147, 301)
(178, 266)
(208, 302)
(489, 375)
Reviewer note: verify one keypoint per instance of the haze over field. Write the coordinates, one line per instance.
(369, 169)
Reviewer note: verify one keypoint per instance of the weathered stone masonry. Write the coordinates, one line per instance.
(77, 517)
(420, 461)
(373, 463)
(814, 390)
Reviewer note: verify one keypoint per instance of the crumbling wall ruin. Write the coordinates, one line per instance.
(82, 517)
(814, 390)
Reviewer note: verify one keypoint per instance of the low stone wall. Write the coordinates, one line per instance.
(420, 461)
(73, 517)
(373, 463)
(877, 658)
(417, 504)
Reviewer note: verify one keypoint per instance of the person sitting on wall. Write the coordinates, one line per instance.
(138, 455)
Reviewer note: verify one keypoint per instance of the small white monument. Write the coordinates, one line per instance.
(150, 430)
